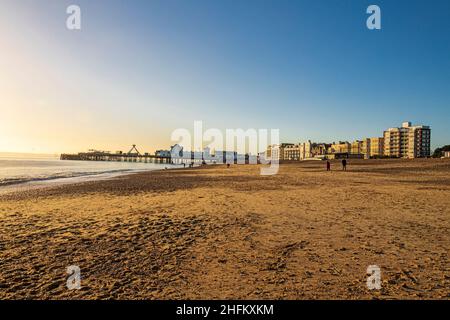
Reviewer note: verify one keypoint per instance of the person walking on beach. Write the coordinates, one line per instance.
(328, 165)
(344, 165)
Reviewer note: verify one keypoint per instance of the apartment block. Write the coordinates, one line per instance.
(376, 147)
(407, 141)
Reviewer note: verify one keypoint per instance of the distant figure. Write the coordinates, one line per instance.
(184, 165)
(328, 165)
(228, 165)
(344, 165)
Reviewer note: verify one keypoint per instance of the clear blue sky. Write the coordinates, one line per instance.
(310, 68)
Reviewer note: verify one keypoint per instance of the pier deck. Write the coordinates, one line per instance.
(101, 156)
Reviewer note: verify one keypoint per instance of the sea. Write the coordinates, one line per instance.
(34, 170)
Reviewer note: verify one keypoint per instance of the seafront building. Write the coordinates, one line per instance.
(376, 146)
(406, 141)
(341, 147)
(284, 151)
(296, 152)
(291, 152)
(357, 147)
(305, 150)
(273, 152)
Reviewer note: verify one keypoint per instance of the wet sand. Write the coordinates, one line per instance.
(218, 233)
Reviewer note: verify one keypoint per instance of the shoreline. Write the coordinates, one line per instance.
(228, 233)
(46, 183)
(42, 183)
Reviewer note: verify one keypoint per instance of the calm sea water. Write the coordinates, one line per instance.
(20, 170)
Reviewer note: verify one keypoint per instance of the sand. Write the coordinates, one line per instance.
(218, 233)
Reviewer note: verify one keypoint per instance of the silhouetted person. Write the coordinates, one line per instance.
(344, 164)
(184, 165)
(328, 166)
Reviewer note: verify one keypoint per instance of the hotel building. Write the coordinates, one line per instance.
(291, 152)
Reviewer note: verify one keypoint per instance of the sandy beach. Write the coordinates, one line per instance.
(230, 233)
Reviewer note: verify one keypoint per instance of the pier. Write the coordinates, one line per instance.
(102, 156)
(131, 156)
(163, 156)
